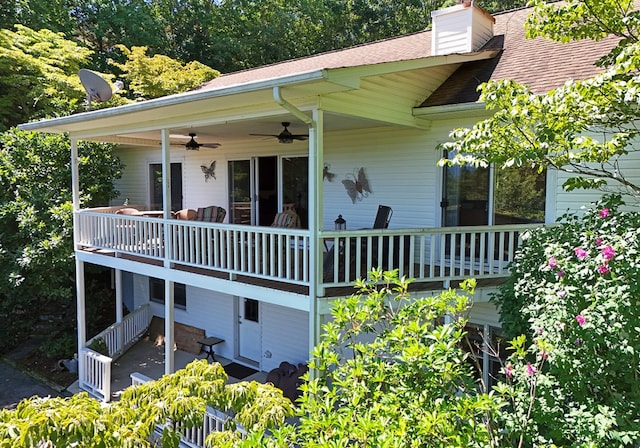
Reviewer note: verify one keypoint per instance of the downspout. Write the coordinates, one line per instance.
(316, 134)
(277, 96)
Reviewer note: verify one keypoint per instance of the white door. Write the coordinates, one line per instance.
(249, 340)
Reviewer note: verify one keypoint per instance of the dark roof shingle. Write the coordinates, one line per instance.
(542, 64)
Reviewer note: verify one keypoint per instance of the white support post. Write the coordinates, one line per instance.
(316, 145)
(119, 307)
(80, 288)
(169, 340)
(169, 361)
(81, 316)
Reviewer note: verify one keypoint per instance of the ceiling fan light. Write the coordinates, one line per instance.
(192, 145)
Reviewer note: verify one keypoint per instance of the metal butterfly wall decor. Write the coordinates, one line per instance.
(326, 174)
(209, 171)
(357, 185)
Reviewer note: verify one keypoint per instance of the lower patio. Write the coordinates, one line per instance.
(146, 358)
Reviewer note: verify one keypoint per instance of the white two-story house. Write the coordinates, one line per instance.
(363, 124)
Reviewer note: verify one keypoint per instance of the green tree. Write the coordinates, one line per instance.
(158, 75)
(38, 75)
(53, 15)
(392, 372)
(101, 25)
(36, 250)
(584, 128)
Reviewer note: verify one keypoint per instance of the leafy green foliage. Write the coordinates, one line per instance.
(179, 397)
(391, 373)
(229, 35)
(36, 252)
(584, 128)
(38, 75)
(574, 292)
(158, 75)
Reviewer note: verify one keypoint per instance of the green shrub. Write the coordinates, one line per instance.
(99, 345)
(575, 379)
(391, 372)
(62, 346)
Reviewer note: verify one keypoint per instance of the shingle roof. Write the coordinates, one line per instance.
(408, 47)
(539, 63)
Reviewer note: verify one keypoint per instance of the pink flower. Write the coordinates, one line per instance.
(581, 319)
(508, 371)
(608, 252)
(539, 330)
(604, 213)
(561, 293)
(531, 369)
(599, 242)
(553, 263)
(603, 269)
(560, 274)
(580, 253)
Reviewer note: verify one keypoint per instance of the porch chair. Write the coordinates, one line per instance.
(382, 217)
(212, 213)
(288, 220)
(186, 214)
(381, 221)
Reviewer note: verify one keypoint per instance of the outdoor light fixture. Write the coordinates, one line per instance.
(192, 145)
(340, 223)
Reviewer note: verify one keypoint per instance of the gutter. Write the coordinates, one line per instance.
(172, 100)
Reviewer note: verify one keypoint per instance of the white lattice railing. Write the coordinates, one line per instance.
(428, 254)
(95, 368)
(213, 420)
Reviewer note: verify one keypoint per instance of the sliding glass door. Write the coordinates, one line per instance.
(259, 187)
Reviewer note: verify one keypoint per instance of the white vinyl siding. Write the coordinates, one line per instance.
(285, 335)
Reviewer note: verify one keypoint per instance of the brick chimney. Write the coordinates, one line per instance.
(462, 28)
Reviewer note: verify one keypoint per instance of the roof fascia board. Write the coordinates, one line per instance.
(448, 111)
(350, 76)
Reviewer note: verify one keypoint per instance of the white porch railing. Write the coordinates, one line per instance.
(213, 420)
(95, 368)
(431, 254)
(427, 255)
(95, 374)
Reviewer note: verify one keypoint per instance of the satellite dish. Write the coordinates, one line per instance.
(97, 88)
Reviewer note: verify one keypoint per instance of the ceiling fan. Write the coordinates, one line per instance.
(193, 145)
(285, 136)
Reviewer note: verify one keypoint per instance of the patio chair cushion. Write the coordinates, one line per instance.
(185, 214)
(288, 219)
(128, 211)
(213, 213)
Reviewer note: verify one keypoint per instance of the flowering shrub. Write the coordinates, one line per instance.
(574, 380)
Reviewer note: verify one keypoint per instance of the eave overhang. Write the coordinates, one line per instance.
(217, 104)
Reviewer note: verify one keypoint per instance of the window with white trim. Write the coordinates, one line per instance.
(156, 293)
